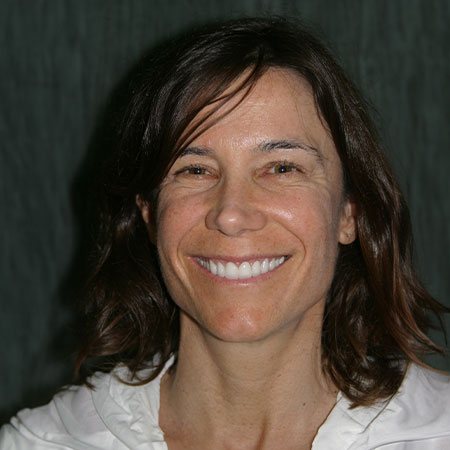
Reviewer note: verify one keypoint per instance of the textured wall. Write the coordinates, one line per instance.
(60, 61)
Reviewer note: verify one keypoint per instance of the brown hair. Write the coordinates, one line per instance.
(376, 315)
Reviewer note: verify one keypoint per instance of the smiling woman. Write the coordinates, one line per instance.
(254, 286)
(252, 198)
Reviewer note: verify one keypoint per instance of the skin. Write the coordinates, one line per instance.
(265, 181)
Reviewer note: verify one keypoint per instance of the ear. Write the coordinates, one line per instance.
(144, 208)
(146, 214)
(347, 226)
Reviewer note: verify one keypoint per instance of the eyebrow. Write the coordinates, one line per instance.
(289, 144)
(199, 151)
(264, 147)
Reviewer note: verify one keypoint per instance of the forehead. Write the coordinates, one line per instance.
(279, 105)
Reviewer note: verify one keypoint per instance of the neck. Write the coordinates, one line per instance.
(251, 388)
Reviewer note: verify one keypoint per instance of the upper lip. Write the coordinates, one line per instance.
(240, 259)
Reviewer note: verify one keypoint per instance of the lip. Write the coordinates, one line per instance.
(240, 259)
(240, 269)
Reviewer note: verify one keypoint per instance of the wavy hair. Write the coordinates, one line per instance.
(377, 313)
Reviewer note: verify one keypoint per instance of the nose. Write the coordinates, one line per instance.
(235, 210)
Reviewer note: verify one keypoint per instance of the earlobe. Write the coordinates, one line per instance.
(146, 214)
(144, 208)
(347, 230)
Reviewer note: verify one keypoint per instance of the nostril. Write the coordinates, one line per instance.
(234, 219)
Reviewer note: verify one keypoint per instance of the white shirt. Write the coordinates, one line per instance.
(116, 416)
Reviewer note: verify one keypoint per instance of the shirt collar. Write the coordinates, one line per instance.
(131, 413)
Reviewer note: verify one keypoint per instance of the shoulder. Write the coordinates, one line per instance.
(70, 420)
(111, 415)
(417, 417)
(423, 398)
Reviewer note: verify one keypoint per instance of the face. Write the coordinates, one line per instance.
(250, 217)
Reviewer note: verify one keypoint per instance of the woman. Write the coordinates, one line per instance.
(254, 286)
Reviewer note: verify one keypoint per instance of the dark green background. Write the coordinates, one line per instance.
(60, 61)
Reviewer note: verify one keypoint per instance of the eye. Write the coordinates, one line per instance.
(284, 167)
(192, 169)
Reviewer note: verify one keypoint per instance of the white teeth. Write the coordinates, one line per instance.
(256, 268)
(220, 269)
(213, 267)
(231, 271)
(245, 269)
(265, 266)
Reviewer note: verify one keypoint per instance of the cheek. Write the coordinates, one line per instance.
(311, 216)
(177, 221)
(172, 226)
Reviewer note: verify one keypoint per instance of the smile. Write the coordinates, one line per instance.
(243, 270)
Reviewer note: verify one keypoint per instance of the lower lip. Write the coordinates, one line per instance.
(239, 281)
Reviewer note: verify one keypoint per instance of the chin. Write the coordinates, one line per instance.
(240, 325)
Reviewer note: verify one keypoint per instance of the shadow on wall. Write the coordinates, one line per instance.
(60, 353)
